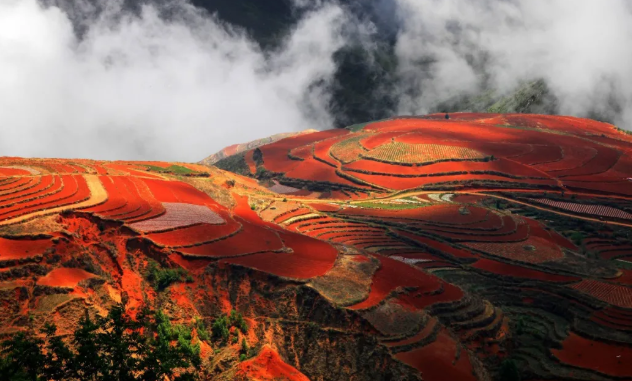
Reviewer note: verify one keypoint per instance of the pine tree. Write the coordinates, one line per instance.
(59, 359)
(115, 348)
(89, 363)
(23, 357)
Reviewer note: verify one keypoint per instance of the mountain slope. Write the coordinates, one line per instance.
(238, 148)
(404, 249)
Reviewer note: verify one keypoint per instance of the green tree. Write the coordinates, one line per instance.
(244, 346)
(88, 361)
(237, 321)
(120, 344)
(509, 371)
(116, 347)
(22, 357)
(59, 359)
(162, 278)
(220, 328)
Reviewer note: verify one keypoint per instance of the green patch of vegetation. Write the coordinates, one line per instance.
(237, 320)
(509, 371)
(356, 127)
(577, 238)
(174, 169)
(162, 278)
(234, 163)
(202, 332)
(390, 205)
(115, 347)
(621, 264)
(221, 326)
(244, 346)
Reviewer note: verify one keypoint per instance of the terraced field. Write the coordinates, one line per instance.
(408, 248)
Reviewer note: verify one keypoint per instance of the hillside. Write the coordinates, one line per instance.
(473, 248)
(239, 148)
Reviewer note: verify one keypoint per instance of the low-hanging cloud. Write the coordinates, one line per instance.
(168, 81)
(142, 85)
(580, 48)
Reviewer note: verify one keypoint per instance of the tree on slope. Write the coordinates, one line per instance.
(115, 347)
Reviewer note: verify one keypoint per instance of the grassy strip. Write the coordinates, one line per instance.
(175, 169)
(389, 206)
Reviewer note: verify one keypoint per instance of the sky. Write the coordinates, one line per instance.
(581, 48)
(143, 87)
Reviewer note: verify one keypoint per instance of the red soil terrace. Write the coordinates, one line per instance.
(392, 269)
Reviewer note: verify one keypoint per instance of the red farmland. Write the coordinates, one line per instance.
(416, 247)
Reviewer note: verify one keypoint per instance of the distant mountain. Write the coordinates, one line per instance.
(529, 98)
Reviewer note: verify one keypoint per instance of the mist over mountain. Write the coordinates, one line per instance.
(171, 80)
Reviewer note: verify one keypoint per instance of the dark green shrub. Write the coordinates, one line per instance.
(202, 332)
(237, 321)
(509, 371)
(162, 278)
(219, 328)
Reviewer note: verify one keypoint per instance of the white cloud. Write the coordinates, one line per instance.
(580, 47)
(142, 87)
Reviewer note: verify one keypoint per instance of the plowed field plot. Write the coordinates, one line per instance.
(283, 189)
(510, 232)
(250, 239)
(438, 361)
(595, 210)
(301, 153)
(401, 153)
(448, 181)
(506, 269)
(376, 140)
(191, 235)
(18, 170)
(37, 189)
(532, 250)
(129, 170)
(573, 157)
(177, 191)
(450, 215)
(314, 170)
(179, 215)
(436, 245)
(117, 192)
(500, 167)
(16, 184)
(64, 277)
(541, 154)
(349, 149)
(605, 159)
(308, 258)
(16, 249)
(617, 188)
(275, 155)
(620, 296)
(73, 189)
(606, 358)
(393, 274)
(135, 206)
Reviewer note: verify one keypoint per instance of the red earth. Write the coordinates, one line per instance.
(414, 264)
(268, 366)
